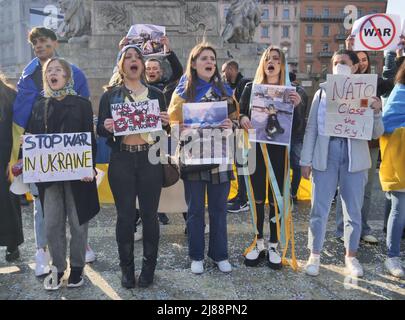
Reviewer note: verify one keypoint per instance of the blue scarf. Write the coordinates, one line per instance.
(201, 89)
(394, 109)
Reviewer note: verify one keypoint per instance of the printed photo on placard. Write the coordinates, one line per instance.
(207, 142)
(147, 37)
(272, 114)
(136, 117)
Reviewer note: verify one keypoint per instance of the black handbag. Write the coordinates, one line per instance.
(171, 173)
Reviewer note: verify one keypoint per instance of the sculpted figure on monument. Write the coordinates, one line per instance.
(241, 21)
(77, 18)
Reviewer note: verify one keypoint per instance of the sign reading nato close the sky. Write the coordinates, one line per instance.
(377, 32)
(348, 112)
(57, 157)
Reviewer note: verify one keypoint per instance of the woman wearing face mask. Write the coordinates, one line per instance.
(335, 162)
(63, 111)
(202, 83)
(130, 172)
(271, 70)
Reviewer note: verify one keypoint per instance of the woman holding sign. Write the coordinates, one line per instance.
(271, 70)
(202, 83)
(11, 233)
(61, 111)
(131, 174)
(336, 161)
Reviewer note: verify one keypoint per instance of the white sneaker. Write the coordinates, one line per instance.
(252, 259)
(90, 255)
(224, 266)
(274, 257)
(138, 234)
(42, 260)
(353, 267)
(207, 229)
(312, 266)
(394, 267)
(370, 239)
(197, 267)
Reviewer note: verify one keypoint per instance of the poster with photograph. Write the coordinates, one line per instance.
(271, 114)
(147, 37)
(207, 142)
(348, 98)
(57, 157)
(136, 117)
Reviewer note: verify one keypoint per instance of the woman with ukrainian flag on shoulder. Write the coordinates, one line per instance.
(202, 83)
(271, 70)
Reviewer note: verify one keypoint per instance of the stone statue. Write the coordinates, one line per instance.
(241, 21)
(77, 20)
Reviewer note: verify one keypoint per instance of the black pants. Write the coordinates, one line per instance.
(131, 175)
(277, 159)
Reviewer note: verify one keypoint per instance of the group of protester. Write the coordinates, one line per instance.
(52, 97)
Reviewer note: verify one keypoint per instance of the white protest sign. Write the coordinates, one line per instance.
(147, 37)
(348, 113)
(136, 117)
(377, 32)
(57, 157)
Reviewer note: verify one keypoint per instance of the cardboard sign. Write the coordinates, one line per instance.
(348, 113)
(272, 114)
(377, 32)
(207, 144)
(57, 157)
(147, 37)
(136, 117)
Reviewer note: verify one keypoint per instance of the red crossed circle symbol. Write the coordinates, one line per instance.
(376, 31)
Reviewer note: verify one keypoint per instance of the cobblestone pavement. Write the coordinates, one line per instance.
(174, 280)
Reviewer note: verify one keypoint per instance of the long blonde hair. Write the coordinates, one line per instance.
(260, 76)
(191, 73)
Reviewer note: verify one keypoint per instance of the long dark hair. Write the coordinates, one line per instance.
(368, 70)
(191, 73)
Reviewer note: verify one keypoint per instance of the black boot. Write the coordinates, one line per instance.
(146, 277)
(12, 254)
(128, 277)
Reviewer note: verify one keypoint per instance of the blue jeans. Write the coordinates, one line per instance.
(217, 200)
(39, 222)
(396, 224)
(365, 228)
(324, 186)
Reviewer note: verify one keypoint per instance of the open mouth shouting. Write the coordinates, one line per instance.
(270, 67)
(133, 68)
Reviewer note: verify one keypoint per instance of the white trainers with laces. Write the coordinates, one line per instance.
(253, 258)
(224, 266)
(42, 260)
(274, 257)
(197, 267)
(353, 267)
(90, 255)
(394, 267)
(312, 266)
(370, 239)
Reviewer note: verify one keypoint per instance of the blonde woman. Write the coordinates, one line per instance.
(61, 110)
(271, 70)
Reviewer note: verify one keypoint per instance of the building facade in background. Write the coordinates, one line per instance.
(322, 32)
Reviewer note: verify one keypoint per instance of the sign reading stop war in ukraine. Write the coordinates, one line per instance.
(348, 113)
(57, 157)
(136, 117)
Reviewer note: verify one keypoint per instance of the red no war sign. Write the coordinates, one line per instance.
(376, 32)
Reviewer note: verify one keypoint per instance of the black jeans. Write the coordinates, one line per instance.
(131, 175)
(277, 159)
